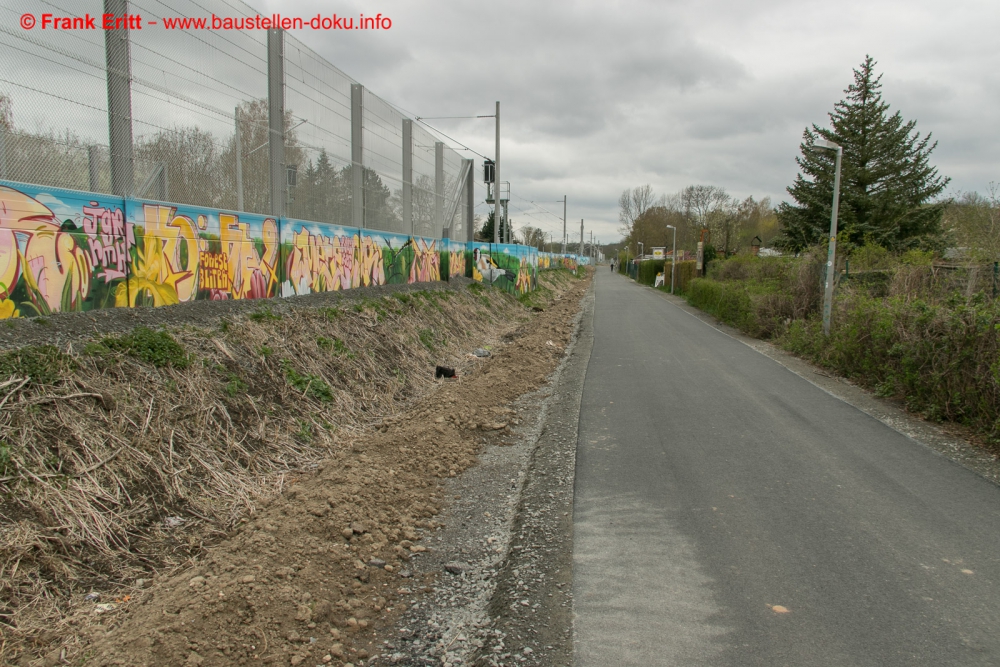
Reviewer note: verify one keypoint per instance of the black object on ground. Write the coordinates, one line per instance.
(444, 372)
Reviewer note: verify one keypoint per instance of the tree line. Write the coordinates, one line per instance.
(732, 223)
(891, 196)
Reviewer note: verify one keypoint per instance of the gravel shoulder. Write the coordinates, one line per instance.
(504, 552)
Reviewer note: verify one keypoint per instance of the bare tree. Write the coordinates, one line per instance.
(631, 204)
(974, 221)
(532, 236)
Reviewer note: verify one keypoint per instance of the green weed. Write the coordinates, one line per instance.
(265, 315)
(426, 337)
(6, 464)
(154, 347)
(42, 364)
(309, 384)
(235, 386)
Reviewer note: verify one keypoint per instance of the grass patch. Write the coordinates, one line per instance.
(309, 384)
(235, 386)
(42, 364)
(426, 337)
(154, 347)
(265, 315)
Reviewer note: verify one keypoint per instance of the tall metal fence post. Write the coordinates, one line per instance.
(118, 65)
(238, 145)
(93, 168)
(470, 203)
(276, 118)
(407, 176)
(357, 155)
(438, 188)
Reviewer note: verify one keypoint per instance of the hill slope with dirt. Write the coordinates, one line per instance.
(249, 490)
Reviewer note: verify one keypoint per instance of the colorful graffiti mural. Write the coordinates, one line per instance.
(63, 250)
(507, 266)
(553, 260)
(456, 258)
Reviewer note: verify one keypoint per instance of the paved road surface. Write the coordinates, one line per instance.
(715, 488)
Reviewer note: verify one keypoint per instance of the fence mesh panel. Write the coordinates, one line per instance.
(192, 92)
(53, 100)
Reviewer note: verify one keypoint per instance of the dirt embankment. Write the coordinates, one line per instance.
(253, 495)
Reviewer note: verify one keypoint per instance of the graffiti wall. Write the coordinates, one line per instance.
(60, 251)
(510, 267)
(187, 253)
(457, 251)
(554, 260)
(63, 250)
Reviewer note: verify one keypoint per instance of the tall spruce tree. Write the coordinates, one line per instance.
(888, 187)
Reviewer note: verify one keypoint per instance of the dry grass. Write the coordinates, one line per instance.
(114, 467)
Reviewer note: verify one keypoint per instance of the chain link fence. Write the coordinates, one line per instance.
(200, 123)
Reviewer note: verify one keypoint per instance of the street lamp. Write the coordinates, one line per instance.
(831, 255)
(673, 259)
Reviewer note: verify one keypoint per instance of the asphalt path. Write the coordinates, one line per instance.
(729, 512)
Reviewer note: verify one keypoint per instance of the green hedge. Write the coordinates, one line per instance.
(942, 359)
(684, 274)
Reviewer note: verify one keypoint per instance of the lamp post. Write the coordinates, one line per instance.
(673, 259)
(831, 255)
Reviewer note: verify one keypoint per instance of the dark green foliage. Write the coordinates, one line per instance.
(648, 270)
(154, 347)
(683, 275)
(887, 183)
(486, 233)
(43, 364)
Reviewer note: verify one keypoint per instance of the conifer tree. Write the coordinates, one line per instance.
(888, 186)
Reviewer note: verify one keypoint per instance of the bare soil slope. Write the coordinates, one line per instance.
(257, 504)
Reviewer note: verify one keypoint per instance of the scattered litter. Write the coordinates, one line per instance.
(550, 343)
(174, 521)
(480, 352)
(444, 372)
(92, 597)
(104, 607)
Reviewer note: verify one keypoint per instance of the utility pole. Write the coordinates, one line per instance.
(591, 244)
(581, 237)
(496, 182)
(564, 225)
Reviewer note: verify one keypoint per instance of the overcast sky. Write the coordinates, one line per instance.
(600, 96)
